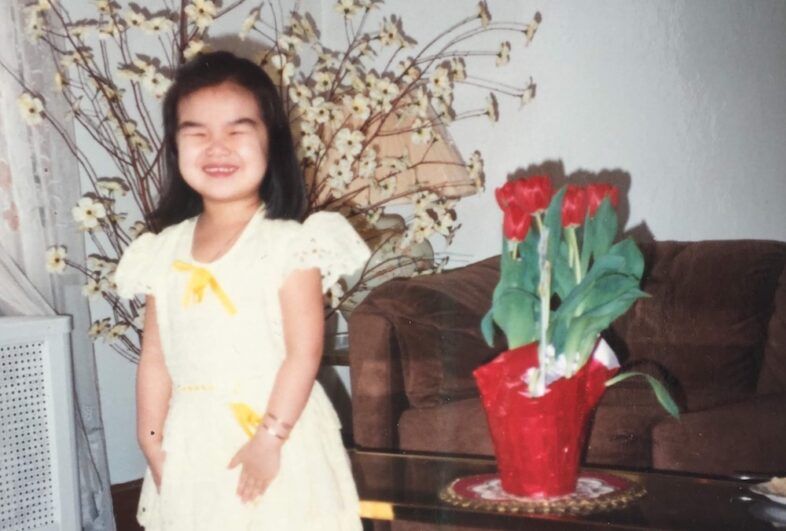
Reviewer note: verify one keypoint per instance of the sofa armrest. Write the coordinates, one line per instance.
(378, 397)
(746, 436)
(414, 343)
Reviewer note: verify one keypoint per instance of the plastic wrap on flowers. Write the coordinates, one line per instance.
(538, 441)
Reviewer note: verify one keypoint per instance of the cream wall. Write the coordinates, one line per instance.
(688, 99)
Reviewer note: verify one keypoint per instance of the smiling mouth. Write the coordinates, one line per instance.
(219, 170)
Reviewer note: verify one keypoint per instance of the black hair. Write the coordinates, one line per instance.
(282, 188)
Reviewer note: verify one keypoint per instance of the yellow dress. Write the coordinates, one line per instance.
(221, 334)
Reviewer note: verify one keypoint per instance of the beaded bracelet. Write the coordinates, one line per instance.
(275, 419)
(273, 432)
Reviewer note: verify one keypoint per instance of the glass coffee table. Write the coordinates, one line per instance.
(406, 486)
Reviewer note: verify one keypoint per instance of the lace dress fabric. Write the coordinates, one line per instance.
(222, 338)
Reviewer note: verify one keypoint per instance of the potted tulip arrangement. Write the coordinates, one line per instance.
(563, 281)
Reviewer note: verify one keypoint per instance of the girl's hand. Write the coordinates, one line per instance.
(261, 459)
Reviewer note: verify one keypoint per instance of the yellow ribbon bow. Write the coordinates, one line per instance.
(248, 419)
(200, 279)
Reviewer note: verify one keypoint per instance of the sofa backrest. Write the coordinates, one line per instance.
(707, 318)
(772, 378)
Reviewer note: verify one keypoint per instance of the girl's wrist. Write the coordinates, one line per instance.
(266, 440)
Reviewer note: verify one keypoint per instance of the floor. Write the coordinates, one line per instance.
(124, 498)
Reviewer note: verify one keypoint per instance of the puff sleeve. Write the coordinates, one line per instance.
(326, 240)
(135, 272)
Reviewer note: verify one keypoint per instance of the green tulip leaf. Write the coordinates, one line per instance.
(563, 276)
(515, 313)
(553, 222)
(663, 396)
(487, 327)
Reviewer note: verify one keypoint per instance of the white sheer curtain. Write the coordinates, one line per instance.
(39, 183)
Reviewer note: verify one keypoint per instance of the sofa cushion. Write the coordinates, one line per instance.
(436, 324)
(456, 427)
(621, 427)
(742, 437)
(707, 318)
(773, 370)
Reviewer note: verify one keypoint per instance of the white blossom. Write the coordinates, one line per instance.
(386, 187)
(139, 320)
(116, 332)
(96, 263)
(289, 43)
(323, 81)
(31, 107)
(346, 7)
(311, 146)
(389, 34)
(248, 23)
(99, 328)
(299, 93)
(303, 28)
(528, 94)
(34, 26)
(475, 170)
(194, 48)
(368, 163)
(318, 112)
(201, 13)
(503, 55)
(339, 176)
(349, 142)
(60, 81)
(336, 293)
(484, 14)
(383, 94)
(88, 212)
(134, 19)
(79, 31)
(422, 132)
(56, 259)
(91, 289)
(113, 185)
(373, 215)
(492, 108)
(157, 83)
(130, 72)
(359, 105)
(284, 68)
(157, 24)
(439, 83)
(532, 27)
(136, 229)
(104, 7)
(328, 59)
(458, 70)
(109, 29)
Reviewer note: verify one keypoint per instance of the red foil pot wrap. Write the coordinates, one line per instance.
(538, 441)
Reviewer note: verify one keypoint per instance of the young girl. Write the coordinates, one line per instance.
(236, 433)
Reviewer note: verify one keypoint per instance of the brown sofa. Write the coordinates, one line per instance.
(714, 331)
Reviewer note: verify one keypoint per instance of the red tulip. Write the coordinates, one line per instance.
(505, 195)
(574, 206)
(516, 224)
(597, 192)
(533, 194)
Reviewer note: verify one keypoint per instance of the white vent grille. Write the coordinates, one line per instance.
(38, 489)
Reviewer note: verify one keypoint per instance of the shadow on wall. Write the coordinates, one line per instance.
(555, 169)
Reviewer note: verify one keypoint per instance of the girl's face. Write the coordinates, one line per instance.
(222, 143)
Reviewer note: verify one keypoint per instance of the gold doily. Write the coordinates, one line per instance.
(595, 492)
